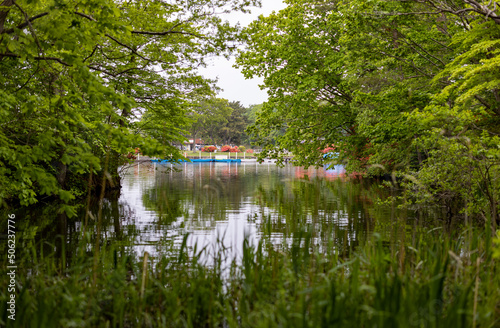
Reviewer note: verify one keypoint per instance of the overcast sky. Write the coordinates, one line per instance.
(234, 85)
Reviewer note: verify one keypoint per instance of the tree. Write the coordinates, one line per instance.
(451, 51)
(462, 122)
(393, 56)
(233, 131)
(208, 117)
(403, 87)
(78, 75)
(296, 51)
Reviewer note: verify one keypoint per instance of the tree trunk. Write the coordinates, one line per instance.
(4, 13)
(194, 141)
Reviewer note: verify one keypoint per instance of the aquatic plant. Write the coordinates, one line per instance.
(433, 279)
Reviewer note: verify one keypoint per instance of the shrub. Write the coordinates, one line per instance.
(225, 148)
(209, 149)
(249, 151)
(242, 148)
(234, 149)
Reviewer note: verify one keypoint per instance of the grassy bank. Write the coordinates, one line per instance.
(434, 279)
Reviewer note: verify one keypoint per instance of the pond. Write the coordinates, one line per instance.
(221, 204)
(281, 243)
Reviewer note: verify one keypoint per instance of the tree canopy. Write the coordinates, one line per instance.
(78, 77)
(404, 87)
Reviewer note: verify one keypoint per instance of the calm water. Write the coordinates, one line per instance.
(230, 202)
(219, 205)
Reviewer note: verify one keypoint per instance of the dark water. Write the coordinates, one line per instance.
(219, 205)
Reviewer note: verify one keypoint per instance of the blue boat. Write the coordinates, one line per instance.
(331, 155)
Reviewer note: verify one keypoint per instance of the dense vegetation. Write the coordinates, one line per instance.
(403, 87)
(424, 284)
(220, 122)
(77, 76)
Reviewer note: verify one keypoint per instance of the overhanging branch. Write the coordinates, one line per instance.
(23, 25)
(166, 33)
(59, 60)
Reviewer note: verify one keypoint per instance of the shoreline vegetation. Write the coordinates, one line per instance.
(437, 278)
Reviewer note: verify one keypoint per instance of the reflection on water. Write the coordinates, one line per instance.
(227, 202)
(219, 205)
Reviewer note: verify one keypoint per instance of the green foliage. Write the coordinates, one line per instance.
(218, 121)
(402, 88)
(208, 117)
(233, 131)
(309, 100)
(496, 248)
(85, 82)
(460, 127)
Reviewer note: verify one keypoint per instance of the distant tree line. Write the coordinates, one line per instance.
(221, 122)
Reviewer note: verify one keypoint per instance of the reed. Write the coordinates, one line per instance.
(442, 280)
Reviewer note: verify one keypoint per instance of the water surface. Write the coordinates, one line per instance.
(229, 202)
(219, 205)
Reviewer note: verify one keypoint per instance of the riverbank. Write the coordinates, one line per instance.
(146, 159)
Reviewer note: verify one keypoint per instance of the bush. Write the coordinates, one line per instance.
(225, 149)
(234, 149)
(249, 151)
(242, 148)
(209, 149)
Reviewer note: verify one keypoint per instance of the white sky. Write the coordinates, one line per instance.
(234, 85)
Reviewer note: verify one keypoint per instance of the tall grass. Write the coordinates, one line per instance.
(434, 279)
